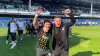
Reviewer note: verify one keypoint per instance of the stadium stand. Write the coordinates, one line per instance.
(18, 7)
(79, 8)
(80, 22)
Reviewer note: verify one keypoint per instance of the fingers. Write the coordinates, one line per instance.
(67, 11)
(38, 10)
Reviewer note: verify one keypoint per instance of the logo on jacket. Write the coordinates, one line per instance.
(63, 28)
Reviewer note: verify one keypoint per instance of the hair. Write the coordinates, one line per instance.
(57, 17)
(12, 18)
(47, 21)
(31, 20)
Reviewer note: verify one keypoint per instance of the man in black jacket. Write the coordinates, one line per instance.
(60, 33)
(8, 33)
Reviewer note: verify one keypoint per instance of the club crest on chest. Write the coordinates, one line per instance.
(63, 28)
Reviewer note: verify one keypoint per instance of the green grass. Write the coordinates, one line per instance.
(85, 42)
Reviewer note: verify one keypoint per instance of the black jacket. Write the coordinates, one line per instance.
(8, 26)
(63, 33)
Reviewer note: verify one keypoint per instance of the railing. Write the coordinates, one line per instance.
(20, 12)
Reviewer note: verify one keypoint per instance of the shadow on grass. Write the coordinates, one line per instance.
(23, 48)
(75, 40)
(27, 46)
(86, 53)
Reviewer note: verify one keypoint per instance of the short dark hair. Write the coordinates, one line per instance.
(47, 21)
(31, 20)
(57, 17)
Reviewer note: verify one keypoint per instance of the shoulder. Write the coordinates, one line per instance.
(39, 28)
(17, 22)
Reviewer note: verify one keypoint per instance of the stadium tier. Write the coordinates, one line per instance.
(81, 8)
(80, 22)
(20, 8)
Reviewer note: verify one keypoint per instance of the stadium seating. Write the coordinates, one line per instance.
(53, 8)
(20, 8)
(80, 22)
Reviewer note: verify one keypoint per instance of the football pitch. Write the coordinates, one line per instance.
(85, 41)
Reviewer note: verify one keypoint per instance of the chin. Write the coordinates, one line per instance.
(57, 26)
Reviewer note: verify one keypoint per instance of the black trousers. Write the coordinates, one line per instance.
(20, 32)
(8, 33)
(27, 30)
(13, 36)
(32, 31)
(60, 52)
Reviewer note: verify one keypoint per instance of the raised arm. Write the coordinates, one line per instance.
(35, 23)
(69, 15)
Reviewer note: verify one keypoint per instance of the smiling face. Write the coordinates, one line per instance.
(57, 21)
(47, 25)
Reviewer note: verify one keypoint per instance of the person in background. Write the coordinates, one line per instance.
(21, 27)
(8, 33)
(41, 23)
(27, 27)
(31, 28)
(13, 29)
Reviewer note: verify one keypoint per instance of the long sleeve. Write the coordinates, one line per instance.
(71, 21)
